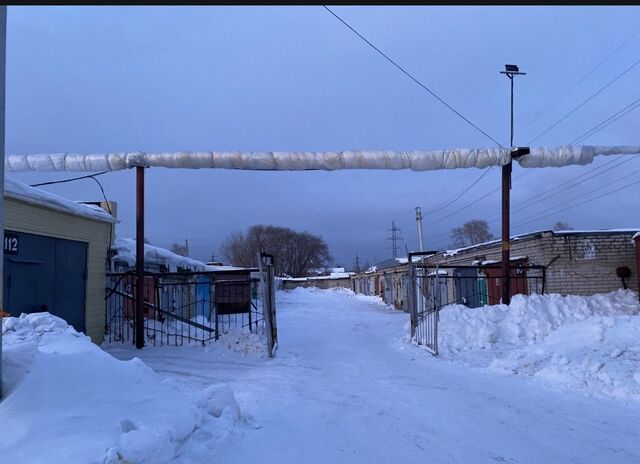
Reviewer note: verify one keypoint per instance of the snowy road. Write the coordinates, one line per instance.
(344, 387)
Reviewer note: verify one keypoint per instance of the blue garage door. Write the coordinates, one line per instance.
(466, 285)
(45, 274)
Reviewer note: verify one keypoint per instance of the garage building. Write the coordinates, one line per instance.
(55, 257)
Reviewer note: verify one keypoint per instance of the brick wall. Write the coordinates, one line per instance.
(588, 263)
(581, 263)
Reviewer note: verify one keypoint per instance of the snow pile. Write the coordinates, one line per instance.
(600, 355)
(69, 401)
(241, 342)
(527, 320)
(571, 342)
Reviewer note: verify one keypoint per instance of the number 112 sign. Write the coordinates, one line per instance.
(11, 244)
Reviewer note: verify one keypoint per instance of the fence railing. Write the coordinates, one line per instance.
(185, 308)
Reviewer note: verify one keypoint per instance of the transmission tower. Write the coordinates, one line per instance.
(394, 238)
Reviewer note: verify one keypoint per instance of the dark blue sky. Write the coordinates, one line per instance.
(98, 79)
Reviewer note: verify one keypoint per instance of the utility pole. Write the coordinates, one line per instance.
(510, 71)
(356, 267)
(186, 245)
(419, 222)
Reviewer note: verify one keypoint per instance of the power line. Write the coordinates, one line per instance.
(450, 202)
(69, 180)
(585, 76)
(610, 120)
(410, 76)
(579, 204)
(601, 187)
(571, 184)
(480, 198)
(585, 102)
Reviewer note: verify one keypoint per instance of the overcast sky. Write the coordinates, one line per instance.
(97, 79)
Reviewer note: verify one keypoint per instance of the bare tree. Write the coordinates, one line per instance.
(296, 253)
(562, 226)
(179, 249)
(471, 233)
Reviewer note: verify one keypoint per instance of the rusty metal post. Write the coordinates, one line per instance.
(510, 71)
(139, 316)
(506, 251)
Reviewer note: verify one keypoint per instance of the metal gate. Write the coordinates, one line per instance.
(194, 307)
(433, 286)
(425, 300)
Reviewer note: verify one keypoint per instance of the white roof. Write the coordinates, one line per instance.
(34, 196)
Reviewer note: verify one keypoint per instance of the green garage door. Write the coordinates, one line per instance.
(45, 274)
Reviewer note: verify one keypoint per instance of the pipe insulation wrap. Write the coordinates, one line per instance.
(302, 161)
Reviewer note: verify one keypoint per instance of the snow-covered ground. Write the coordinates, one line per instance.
(345, 386)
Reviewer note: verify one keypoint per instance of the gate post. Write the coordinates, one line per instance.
(265, 267)
(412, 297)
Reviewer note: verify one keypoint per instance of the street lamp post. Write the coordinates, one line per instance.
(510, 71)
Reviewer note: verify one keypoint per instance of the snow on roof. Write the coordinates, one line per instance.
(339, 275)
(596, 231)
(125, 249)
(34, 196)
(454, 252)
(636, 235)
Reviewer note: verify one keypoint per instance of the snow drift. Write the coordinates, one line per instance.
(582, 343)
(305, 160)
(69, 401)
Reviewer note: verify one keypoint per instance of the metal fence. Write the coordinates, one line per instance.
(434, 287)
(191, 307)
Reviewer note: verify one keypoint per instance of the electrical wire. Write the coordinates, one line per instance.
(582, 79)
(567, 186)
(610, 120)
(410, 76)
(106, 201)
(451, 201)
(584, 102)
(579, 204)
(595, 189)
(69, 180)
